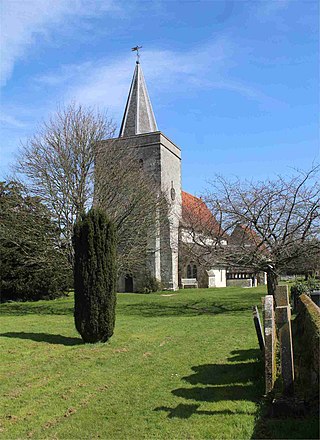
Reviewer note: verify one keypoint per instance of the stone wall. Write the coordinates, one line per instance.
(239, 283)
(306, 337)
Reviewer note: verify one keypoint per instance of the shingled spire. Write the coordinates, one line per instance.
(138, 116)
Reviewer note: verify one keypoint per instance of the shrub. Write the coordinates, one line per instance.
(148, 283)
(95, 276)
(33, 264)
(301, 287)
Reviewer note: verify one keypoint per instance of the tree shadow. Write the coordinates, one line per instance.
(220, 374)
(238, 381)
(155, 309)
(284, 427)
(245, 355)
(22, 309)
(44, 337)
(185, 411)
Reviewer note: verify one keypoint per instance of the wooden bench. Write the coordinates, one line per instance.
(189, 282)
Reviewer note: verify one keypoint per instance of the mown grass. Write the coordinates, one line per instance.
(180, 366)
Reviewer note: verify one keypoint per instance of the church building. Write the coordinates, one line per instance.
(161, 159)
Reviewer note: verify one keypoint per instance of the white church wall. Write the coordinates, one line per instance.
(170, 168)
(189, 236)
(217, 277)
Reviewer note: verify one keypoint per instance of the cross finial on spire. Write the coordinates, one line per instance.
(136, 49)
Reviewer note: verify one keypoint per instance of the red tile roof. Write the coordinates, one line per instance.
(197, 215)
(243, 235)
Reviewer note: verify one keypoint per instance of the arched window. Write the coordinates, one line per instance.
(194, 271)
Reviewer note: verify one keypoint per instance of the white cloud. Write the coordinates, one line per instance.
(267, 9)
(8, 120)
(106, 82)
(24, 21)
(273, 11)
(66, 73)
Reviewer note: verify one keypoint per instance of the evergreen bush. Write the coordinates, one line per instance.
(300, 287)
(151, 284)
(33, 264)
(147, 283)
(95, 276)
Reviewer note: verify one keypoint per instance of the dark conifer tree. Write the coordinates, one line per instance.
(34, 264)
(95, 276)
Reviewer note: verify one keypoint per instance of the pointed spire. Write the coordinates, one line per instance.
(138, 116)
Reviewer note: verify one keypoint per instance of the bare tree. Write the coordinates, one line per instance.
(67, 164)
(271, 224)
(308, 261)
(58, 163)
(133, 200)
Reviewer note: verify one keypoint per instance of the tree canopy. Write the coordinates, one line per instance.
(57, 164)
(32, 264)
(69, 167)
(272, 225)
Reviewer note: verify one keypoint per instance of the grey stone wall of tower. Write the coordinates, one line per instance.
(162, 160)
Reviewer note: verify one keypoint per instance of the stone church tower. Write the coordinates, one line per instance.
(161, 159)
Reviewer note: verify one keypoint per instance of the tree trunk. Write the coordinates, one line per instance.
(272, 282)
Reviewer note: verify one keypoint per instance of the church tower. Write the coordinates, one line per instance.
(161, 159)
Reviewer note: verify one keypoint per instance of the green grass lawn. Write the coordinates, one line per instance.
(184, 366)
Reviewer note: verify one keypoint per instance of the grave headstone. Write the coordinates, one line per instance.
(262, 303)
(257, 324)
(270, 343)
(286, 351)
(282, 296)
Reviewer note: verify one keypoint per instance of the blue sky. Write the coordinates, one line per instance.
(234, 83)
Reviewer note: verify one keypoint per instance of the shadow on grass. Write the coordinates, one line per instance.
(150, 306)
(245, 355)
(240, 381)
(196, 308)
(236, 381)
(44, 337)
(144, 309)
(22, 309)
(185, 411)
(286, 427)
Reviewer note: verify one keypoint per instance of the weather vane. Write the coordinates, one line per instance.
(136, 49)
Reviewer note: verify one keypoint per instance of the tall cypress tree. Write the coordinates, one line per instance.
(95, 276)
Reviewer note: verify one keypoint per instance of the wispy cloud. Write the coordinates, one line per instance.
(105, 83)
(268, 9)
(7, 120)
(23, 22)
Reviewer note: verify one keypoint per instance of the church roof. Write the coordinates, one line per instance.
(244, 235)
(197, 215)
(138, 116)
